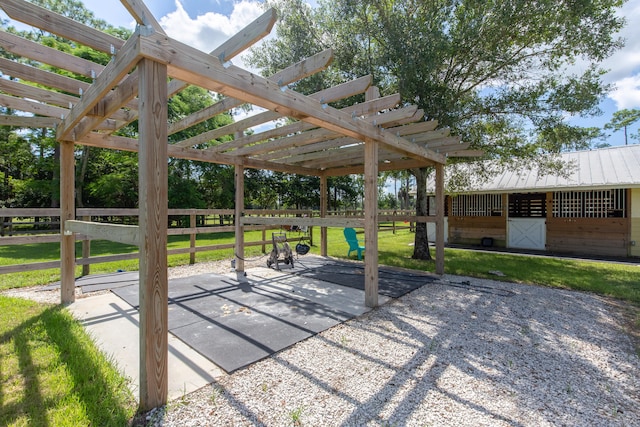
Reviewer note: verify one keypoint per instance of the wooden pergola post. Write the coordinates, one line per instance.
(439, 218)
(153, 200)
(67, 212)
(371, 223)
(323, 214)
(239, 209)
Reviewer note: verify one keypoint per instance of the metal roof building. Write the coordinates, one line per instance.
(592, 207)
(611, 167)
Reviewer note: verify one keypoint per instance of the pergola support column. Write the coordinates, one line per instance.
(67, 212)
(371, 223)
(153, 201)
(239, 231)
(323, 214)
(439, 218)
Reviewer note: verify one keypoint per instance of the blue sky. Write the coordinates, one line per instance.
(205, 24)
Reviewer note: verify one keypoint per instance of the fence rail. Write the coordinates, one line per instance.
(20, 227)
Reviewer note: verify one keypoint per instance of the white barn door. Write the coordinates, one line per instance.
(527, 233)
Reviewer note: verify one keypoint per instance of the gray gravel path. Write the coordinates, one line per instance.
(459, 352)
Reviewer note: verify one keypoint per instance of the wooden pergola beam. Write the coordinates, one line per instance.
(45, 78)
(302, 221)
(127, 234)
(28, 122)
(228, 50)
(19, 89)
(102, 140)
(415, 128)
(335, 93)
(142, 14)
(359, 169)
(67, 28)
(108, 105)
(321, 134)
(191, 65)
(32, 106)
(319, 150)
(46, 55)
(123, 63)
(298, 71)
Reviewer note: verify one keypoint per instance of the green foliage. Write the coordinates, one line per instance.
(622, 119)
(478, 63)
(497, 73)
(298, 191)
(345, 192)
(112, 179)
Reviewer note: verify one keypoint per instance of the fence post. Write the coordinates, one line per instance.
(264, 237)
(394, 222)
(192, 239)
(86, 251)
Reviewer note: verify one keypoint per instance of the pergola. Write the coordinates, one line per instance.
(144, 73)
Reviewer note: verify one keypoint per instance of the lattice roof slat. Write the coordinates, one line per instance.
(62, 26)
(291, 74)
(309, 145)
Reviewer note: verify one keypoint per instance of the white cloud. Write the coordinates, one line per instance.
(208, 31)
(624, 65)
(627, 92)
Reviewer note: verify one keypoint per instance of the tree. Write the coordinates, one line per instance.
(498, 73)
(622, 119)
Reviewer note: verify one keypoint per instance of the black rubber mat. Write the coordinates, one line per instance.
(391, 282)
(235, 324)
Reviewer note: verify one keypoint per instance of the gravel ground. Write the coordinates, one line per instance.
(457, 352)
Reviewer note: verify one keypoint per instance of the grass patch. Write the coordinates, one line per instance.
(41, 252)
(610, 279)
(52, 374)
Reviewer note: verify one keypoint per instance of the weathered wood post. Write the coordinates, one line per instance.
(439, 218)
(153, 200)
(371, 223)
(323, 214)
(192, 239)
(239, 231)
(67, 212)
(86, 251)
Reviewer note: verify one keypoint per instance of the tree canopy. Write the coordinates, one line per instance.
(502, 74)
(108, 178)
(621, 120)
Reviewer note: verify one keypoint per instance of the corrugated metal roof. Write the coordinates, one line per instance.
(612, 167)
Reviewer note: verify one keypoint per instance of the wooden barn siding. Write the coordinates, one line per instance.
(469, 230)
(596, 236)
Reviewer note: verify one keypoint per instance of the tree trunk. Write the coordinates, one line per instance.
(421, 243)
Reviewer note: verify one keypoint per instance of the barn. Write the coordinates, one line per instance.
(592, 208)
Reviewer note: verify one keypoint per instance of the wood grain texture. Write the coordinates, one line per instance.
(239, 226)
(439, 218)
(153, 199)
(67, 213)
(324, 196)
(371, 223)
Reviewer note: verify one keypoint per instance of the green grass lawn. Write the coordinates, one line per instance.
(610, 279)
(52, 374)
